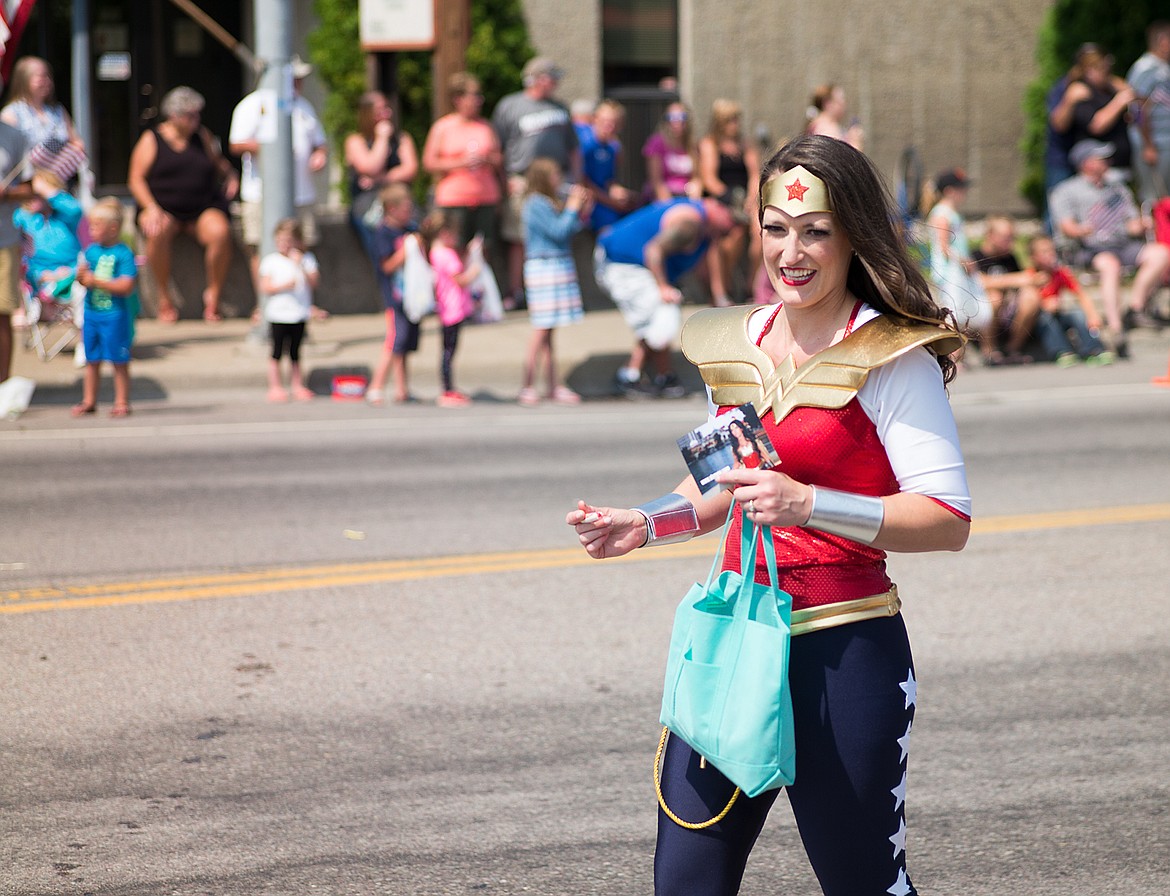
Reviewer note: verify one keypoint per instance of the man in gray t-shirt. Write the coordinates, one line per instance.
(531, 125)
(1149, 134)
(1099, 226)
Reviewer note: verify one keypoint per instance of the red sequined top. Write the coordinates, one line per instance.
(836, 449)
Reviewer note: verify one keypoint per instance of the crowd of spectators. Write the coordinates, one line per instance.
(1107, 163)
(1107, 160)
(1106, 169)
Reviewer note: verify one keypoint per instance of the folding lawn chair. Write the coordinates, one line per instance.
(51, 319)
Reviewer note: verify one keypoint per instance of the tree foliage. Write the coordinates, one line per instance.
(497, 51)
(1118, 28)
(340, 63)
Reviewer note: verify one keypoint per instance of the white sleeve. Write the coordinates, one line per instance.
(309, 263)
(243, 126)
(908, 405)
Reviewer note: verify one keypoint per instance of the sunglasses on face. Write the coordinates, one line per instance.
(676, 116)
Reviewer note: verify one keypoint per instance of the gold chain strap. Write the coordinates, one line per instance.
(689, 825)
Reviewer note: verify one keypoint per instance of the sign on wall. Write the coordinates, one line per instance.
(389, 25)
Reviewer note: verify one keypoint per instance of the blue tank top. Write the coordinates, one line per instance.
(625, 241)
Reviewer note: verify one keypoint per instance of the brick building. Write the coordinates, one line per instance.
(947, 79)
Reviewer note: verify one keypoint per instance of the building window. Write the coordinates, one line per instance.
(639, 43)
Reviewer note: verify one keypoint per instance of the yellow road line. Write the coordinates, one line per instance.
(273, 581)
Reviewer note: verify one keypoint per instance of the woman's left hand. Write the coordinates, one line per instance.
(771, 498)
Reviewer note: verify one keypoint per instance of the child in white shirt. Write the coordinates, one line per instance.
(288, 277)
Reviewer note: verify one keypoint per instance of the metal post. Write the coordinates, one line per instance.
(274, 50)
(82, 90)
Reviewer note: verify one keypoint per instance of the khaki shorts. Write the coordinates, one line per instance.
(511, 217)
(635, 292)
(251, 221)
(10, 295)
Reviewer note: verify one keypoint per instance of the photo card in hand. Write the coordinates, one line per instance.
(734, 440)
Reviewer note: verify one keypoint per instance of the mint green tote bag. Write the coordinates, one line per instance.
(726, 688)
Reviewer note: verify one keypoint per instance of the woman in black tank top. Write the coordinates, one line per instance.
(729, 168)
(182, 184)
(376, 154)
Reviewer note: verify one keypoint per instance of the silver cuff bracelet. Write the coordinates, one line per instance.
(856, 517)
(669, 519)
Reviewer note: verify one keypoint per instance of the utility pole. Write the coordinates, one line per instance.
(274, 51)
(452, 35)
(82, 89)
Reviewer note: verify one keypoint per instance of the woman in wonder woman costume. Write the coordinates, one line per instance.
(848, 374)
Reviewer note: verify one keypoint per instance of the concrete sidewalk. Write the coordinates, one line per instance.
(232, 357)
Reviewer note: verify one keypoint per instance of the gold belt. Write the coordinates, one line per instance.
(813, 619)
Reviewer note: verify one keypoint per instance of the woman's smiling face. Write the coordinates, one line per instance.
(807, 257)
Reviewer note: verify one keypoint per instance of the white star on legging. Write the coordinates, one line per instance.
(910, 686)
(899, 793)
(899, 839)
(904, 742)
(901, 886)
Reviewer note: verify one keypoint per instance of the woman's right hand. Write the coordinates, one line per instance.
(607, 531)
(153, 221)
(578, 196)
(1076, 92)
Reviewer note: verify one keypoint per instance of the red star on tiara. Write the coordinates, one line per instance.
(796, 190)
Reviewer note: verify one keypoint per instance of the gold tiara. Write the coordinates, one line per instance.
(797, 191)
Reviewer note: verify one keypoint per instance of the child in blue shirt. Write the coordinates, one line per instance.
(50, 221)
(401, 333)
(550, 275)
(600, 153)
(109, 274)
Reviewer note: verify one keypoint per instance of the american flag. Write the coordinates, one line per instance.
(58, 156)
(1108, 218)
(13, 17)
(1160, 95)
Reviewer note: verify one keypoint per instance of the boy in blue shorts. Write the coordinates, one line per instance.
(109, 274)
(401, 333)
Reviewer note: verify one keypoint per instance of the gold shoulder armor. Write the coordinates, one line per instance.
(716, 341)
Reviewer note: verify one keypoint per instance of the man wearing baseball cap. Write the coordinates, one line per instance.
(1098, 225)
(531, 124)
(253, 125)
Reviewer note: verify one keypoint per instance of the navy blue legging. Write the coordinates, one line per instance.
(450, 343)
(853, 699)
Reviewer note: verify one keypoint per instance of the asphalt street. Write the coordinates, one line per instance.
(336, 649)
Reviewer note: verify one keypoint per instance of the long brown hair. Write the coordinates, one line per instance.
(365, 112)
(21, 75)
(881, 271)
(541, 177)
(723, 112)
(435, 222)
